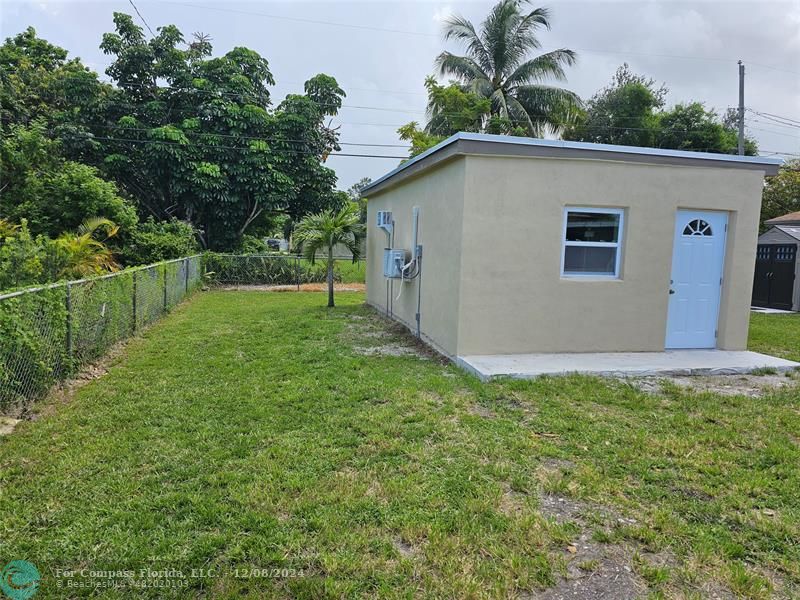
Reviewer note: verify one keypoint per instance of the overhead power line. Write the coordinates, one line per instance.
(797, 137)
(256, 138)
(780, 152)
(795, 134)
(776, 119)
(302, 20)
(221, 147)
(142, 18)
(768, 115)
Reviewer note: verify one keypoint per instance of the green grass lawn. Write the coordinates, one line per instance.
(777, 334)
(283, 448)
(351, 272)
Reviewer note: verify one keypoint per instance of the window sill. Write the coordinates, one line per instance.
(565, 277)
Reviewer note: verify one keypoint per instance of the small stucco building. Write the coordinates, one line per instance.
(540, 246)
(777, 275)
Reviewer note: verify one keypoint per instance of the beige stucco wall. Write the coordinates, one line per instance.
(512, 296)
(440, 195)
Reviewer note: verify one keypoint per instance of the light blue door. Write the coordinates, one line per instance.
(696, 284)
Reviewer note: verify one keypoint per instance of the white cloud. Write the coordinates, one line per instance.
(49, 7)
(442, 13)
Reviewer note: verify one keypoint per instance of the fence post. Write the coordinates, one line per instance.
(69, 322)
(186, 276)
(165, 287)
(297, 271)
(134, 302)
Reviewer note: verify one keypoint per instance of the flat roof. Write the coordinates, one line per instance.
(505, 145)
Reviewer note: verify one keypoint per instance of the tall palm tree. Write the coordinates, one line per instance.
(497, 67)
(327, 229)
(81, 254)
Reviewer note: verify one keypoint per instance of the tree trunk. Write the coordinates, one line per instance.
(330, 276)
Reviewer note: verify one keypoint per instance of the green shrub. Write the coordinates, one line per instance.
(22, 257)
(33, 349)
(252, 244)
(53, 194)
(153, 241)
(276, 269)
(102, 315)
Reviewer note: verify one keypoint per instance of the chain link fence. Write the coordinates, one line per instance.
(49, 332)
(278, 269)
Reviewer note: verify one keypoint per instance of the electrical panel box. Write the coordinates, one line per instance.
(393, 261)
(384, 220)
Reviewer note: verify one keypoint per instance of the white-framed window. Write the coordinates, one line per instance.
(592, 242)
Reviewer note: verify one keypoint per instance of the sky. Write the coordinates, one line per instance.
(381, 52)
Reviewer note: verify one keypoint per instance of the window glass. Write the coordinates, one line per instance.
(590, 260)
(592, 227)
(592, 242)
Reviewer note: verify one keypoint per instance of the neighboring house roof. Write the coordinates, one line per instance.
(792, 231)
(504, 145)
(792, 218)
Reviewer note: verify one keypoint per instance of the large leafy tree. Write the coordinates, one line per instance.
(623, 112)
(498, 67)
(631, 111)
(781, 192)
(40, 83)
(194, 137)
(692, 126)
(184, 135)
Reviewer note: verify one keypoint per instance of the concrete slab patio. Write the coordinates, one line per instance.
(623, 364)
(771, 311)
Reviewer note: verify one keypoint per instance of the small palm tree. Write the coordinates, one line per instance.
(497, 67)
(327, 229)
(81, 254)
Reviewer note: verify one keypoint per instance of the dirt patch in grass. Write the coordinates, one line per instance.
(595, 571)
(752, 386)
(386, 350)
(304, 287)
(7, 425)
(405, 549)
(563, 509)
(596, 566)
(481, 411)
(372, 334)
(556, 464)
(592, 569)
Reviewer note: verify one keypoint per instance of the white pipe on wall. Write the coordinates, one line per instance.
(415, 234)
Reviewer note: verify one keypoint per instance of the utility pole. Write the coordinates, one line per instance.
(741, 109)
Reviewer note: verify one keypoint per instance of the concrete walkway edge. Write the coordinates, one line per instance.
(623, 364)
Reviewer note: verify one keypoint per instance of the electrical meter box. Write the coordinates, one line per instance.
(393, 261)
